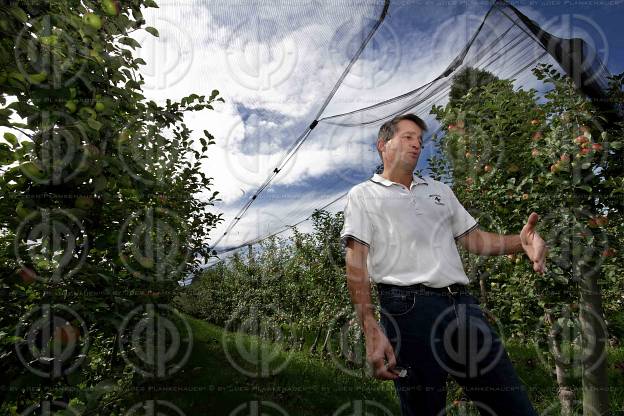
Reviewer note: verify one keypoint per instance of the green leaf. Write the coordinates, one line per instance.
(585, 188)
(10, 137)
(94, 124)
(616, 145)
(152, 30)
(19, 14)
(130, 42)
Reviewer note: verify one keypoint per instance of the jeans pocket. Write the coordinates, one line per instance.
(397, 304)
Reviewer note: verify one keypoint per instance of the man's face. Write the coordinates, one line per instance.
(403, 149)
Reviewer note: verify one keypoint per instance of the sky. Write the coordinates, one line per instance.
(275, 63)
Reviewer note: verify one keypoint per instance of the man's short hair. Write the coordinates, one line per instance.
(387, 130)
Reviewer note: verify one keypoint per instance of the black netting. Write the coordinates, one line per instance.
(504, 42)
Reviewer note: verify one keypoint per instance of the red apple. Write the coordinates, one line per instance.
(66, 334)
(564, 157)
(487, 168)
(580, 140)
(597, 147)
(452, 127)
(585, 150)
(535, 152)
(554, 168)
(536, 136)
(28, 275)
(468, 155)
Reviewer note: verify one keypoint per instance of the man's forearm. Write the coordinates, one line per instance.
(359, 289)
(491, 244)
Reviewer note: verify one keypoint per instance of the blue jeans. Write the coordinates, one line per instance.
(436, 333)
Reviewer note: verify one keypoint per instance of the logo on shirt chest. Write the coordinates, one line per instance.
(437, 199)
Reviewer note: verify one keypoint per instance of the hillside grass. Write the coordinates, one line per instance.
(313, 385)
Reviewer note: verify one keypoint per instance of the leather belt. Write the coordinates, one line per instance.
(453, 289)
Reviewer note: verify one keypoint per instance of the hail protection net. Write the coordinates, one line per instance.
(313, 162)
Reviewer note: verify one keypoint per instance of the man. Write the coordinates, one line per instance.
(402, 229)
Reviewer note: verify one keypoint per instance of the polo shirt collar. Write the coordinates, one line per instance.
(416, 180)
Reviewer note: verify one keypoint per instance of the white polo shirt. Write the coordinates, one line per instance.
(411, 233)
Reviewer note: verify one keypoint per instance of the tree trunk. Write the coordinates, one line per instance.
(315, 342)
(482, 289)
(594, 335)
(566, 393)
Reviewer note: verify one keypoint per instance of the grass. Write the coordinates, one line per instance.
(216, 381)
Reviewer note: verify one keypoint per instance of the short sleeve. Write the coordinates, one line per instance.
(356, 221)
(462, 222)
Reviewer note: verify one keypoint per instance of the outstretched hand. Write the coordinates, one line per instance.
(533, 244)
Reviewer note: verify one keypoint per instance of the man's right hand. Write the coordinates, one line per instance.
(379, 349)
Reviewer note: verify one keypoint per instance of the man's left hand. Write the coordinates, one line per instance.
(533, 244)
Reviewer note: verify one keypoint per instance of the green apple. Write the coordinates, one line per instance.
(93, 20)
(100, 106)
(31, 169)
(88, 112)
(21, 210)
(84, 202)
(110, 7)
(71, 106)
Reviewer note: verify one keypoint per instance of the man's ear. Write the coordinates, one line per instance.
(380, 145)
